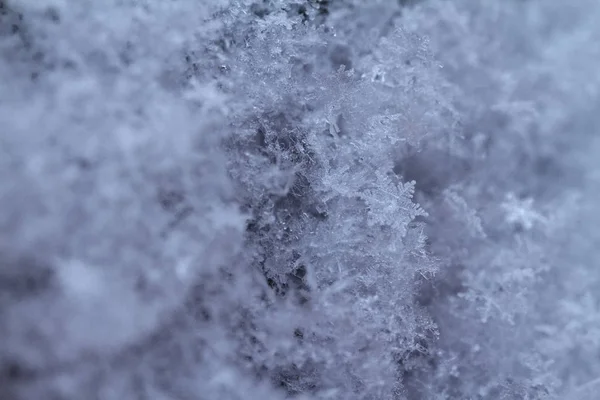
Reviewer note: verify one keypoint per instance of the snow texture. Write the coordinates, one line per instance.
(299, 199)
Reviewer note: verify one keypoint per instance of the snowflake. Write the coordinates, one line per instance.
(521, 212)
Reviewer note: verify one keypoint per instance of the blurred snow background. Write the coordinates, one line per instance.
(308, 199)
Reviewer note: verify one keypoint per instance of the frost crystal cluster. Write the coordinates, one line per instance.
(299, 199)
